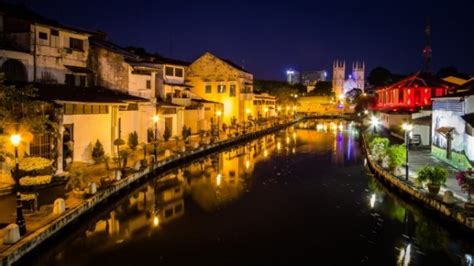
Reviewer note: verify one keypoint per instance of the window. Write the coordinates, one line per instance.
(103, 109)
(68, 109)
(87, 109)
(232, 91)
(178, 72)
(148, 84)
(70, 79)
(43, 35)
(76, 44)
(169, 71)
(208, 89)
(132, 107)
(168, 213)
(54, 38)
(41, 145)
(221, 88)
(96, 109)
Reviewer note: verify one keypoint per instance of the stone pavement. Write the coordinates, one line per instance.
(419, 157)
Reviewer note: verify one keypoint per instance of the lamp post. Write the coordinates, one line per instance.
(375, 122)
(20, 220)
(218, 114)
(156, 118)
(408, 128)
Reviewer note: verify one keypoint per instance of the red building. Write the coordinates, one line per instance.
(412, 93)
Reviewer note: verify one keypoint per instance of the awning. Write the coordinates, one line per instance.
(444, 131)
(77, 69)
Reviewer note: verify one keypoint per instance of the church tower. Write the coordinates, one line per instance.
(358, 71)
(338, 73)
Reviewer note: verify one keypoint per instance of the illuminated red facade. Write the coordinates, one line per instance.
(412, 93)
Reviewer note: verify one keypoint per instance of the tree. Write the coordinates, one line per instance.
(322, 88)
(186, 133)
(21, 111)
(450, 71)
(133, 140)
(280, 89)
(98, 152)
(379, 77)
(150, 135)
(167, 134)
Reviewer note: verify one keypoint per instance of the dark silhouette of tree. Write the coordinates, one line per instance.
(450, 71)
(379, 76)
(322, 88)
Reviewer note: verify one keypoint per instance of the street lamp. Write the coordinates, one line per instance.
(156, 118)
(375, 122)
(20, 220)
(218, 114)
(408, 128)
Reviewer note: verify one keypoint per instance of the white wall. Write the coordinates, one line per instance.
(469, 147)
(87, 129)
(388, 120)
(424, 132)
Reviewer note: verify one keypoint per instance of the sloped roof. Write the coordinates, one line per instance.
(234, 65)
(68, 93)
(420, 79)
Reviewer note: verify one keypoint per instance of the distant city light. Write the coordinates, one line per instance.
(290, 72)
(325, 74)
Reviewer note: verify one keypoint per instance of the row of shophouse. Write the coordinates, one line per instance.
(441, 111)
(101, 91)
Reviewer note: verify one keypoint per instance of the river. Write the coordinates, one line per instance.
(300, 196)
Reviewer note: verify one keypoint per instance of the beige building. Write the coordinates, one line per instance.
(219, 80)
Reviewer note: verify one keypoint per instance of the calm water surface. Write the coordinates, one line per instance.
(300, 196)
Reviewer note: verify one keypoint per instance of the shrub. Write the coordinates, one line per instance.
(434, 175)
(378, 148)
(98, 152)
(34, 163)
(150, 135)
(35, 180)
(167, 134)
(186, 132)
(133, 140)
(397, 155)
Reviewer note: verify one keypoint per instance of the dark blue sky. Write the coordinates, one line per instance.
(270, 36)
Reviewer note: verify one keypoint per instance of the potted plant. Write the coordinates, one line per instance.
(77, 182)
(466, 182)
(434, 176)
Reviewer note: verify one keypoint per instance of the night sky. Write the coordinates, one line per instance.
(268, 37)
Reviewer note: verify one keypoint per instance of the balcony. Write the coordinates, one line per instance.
(181, 101)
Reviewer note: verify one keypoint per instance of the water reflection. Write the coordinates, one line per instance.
(301, 185)
(422, 241)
